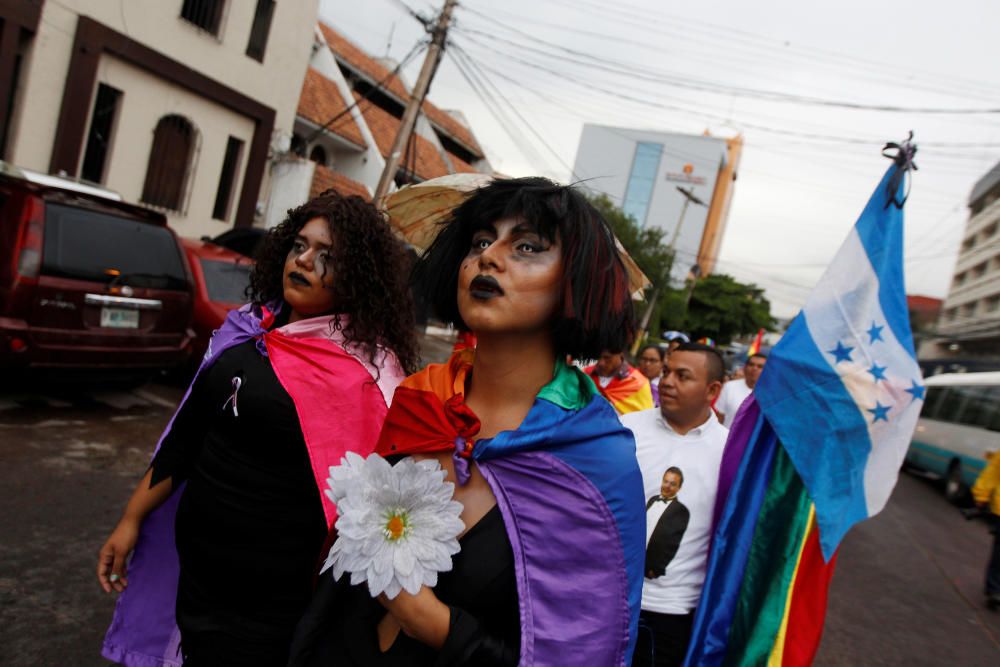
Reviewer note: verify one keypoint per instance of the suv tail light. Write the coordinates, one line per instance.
(29, 246)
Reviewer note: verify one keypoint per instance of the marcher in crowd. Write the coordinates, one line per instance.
(550, 567)
(986, 493)
(228, 523)
(624, 386)
(650, 363)
(679, 448)
(735, 392)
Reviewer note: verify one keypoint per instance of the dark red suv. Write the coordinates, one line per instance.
(86, 281)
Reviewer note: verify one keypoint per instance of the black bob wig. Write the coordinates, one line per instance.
(595, 312)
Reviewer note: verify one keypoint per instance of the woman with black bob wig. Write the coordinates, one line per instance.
(550, 567)
(228, 524)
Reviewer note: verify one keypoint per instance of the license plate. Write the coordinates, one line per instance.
(119, 318)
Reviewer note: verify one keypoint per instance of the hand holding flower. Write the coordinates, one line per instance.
(397, 526)
(421, 616)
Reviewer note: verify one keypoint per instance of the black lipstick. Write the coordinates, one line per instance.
(485, 287)
(297, 277)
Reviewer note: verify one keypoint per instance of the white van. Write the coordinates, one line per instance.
(958, 430)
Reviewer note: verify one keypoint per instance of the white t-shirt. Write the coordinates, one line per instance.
(733, 394)
(698, 453)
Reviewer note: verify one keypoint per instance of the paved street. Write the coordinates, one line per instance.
(906, 591)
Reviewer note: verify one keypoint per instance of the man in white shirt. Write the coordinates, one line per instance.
(735, 392)
(679, 448)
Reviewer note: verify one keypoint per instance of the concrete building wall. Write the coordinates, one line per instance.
(275, 83)
(605, 159)
(144, 101)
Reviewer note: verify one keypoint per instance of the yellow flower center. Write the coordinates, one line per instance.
(395, 528)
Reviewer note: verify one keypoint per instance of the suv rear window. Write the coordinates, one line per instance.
(90, 245)
(226, 282)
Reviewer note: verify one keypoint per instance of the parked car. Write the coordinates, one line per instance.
(87, 281)
(958, 430)
(244, 240)
(221, 277)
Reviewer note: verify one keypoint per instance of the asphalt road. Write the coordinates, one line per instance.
(907, 590)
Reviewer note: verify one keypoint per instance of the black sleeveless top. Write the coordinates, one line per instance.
(339, 629)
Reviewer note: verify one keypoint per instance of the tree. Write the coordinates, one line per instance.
(720, 308)
(644, 244)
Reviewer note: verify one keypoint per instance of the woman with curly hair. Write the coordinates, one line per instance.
(551, 560)
(229, 522)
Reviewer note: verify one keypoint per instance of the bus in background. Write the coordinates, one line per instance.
(958, 430)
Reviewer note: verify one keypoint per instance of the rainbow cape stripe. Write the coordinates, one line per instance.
(626, 394)
(764, 598)
(570, 492)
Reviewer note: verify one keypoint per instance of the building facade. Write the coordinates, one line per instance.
(643, 172)
(969, 324)
(348, 115)
(179, 105)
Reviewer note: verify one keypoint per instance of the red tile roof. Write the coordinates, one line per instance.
(376, 71)
(452, 126)
(362, 62)
(325, 179)
(321, 100)
(460, 165)
(384, 126)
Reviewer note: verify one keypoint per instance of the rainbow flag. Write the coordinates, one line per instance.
(816, 449)
(755, 345)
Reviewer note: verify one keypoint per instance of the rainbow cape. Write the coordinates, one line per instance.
(628, 393)
(340, 406)
(570, 492)
(816, 449)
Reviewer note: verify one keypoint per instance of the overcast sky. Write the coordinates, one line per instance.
(807, 169)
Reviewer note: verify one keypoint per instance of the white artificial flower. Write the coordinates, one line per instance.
(397, 525)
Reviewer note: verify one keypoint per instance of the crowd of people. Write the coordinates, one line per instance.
(587, 494)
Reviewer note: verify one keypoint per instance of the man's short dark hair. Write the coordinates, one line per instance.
(758, 355)
(713, 360)
(676, 471)
(596, 310)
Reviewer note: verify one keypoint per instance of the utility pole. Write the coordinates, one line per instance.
(689, 198)
(431, 61)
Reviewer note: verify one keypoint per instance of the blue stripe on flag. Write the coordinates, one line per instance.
(881, 233)
(807, 403)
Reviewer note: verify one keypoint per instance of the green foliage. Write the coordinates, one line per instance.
(720, 308)
(645, 245)
(723, 308)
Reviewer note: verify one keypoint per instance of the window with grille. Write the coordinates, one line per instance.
(206, 14)
(260, 30)
(169, 163)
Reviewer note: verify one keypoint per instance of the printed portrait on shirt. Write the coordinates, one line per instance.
(671, 519)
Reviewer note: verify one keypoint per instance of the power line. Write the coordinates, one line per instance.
(700, 85)
(514, 109)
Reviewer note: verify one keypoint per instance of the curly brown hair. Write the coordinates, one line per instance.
(371, 273)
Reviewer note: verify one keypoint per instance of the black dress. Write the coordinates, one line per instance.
(339, 629)
(250, 524)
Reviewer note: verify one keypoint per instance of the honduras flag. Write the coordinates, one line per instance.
(842, 389)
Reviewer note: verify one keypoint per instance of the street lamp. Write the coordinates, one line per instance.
(689, 198)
